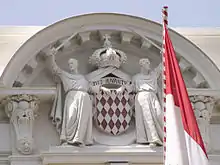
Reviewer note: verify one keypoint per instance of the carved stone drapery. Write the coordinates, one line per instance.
(203, 106)
(22, 111)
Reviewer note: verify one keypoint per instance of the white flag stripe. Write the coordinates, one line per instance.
(195, 153)
(176, 151)
(181, 149)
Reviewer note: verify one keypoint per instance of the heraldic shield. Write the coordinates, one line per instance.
(113, 112)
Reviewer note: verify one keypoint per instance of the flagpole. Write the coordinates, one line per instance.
(165, 23)
(183, 144)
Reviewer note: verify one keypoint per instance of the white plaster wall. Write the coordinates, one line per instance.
(207, 39)
(45, 134)
(11, 38)
(215, 142)
(5, 143)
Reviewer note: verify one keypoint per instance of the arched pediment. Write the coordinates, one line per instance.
(27, 64)
(29, 68)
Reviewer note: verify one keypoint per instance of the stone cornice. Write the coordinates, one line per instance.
(100, 154)
(44, 93)
(137, 154)
(47, 92)
(204, 92)
(4, 158)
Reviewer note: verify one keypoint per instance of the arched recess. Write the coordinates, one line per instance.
(25, 59)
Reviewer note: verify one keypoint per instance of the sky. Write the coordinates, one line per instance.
(182, 13)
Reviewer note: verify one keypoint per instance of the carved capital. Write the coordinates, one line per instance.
(203, 106)
(22, 111)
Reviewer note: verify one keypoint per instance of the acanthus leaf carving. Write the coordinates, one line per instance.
(22, 111)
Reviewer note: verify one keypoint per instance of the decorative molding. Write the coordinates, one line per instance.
(102, 154)
(104, 21)
(33, 62)
(85, 36)
(146, 44)
(25, 160)
(44, 93)
(22, 77)
(203, 100)
(126, 37)
(102, 34)
(184, 64)
(204, 91)
(137, 154)
(47, 93)
(4, 161)
(118, 163)
(4, 158)
(22, 111)
(199, 79)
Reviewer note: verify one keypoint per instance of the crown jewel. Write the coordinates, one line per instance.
(108, 56)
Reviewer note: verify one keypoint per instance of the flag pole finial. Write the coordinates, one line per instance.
(165, 15)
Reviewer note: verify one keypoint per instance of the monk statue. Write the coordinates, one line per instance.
(73, 120)
(148, 113)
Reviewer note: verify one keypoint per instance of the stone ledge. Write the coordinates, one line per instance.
(103, 154)
(44, 93)
(24, 160)
(3, 159)
(135, 154)
(204, 91)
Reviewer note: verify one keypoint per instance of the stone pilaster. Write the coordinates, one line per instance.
(22, 111)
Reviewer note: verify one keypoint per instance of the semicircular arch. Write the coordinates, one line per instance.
(119, 22)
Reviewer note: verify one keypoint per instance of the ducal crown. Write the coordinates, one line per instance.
(108, 56)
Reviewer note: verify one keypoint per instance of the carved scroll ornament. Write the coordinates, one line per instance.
(22, 111)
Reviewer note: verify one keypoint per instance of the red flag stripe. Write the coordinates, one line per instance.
(175, 85)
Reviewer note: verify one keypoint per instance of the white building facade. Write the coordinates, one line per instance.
(28, 89)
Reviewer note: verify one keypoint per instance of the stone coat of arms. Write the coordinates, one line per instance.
(112, 104)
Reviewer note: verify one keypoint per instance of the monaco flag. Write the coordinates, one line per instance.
(183, 144)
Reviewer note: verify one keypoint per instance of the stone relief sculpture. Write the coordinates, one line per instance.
(148, 113)
(104, 98)
(112, 106)
(110, 100)
(74, 119)
(22, 111)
